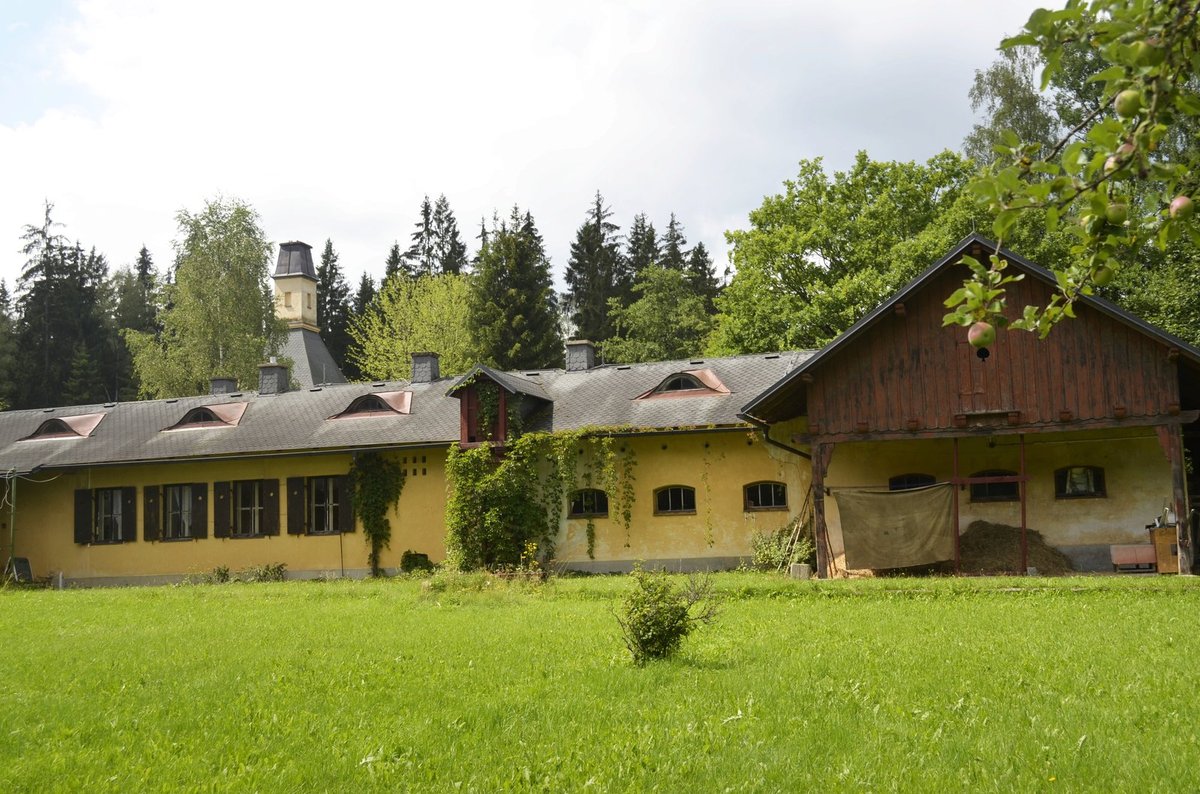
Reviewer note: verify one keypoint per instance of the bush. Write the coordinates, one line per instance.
(411, 561)
(769, 550)
(271, 572)
(657, 616)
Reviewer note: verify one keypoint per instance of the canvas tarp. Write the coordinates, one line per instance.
(896, 529)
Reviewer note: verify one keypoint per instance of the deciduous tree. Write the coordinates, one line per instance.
(409, 316)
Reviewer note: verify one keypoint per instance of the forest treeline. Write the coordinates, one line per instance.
(812, 260)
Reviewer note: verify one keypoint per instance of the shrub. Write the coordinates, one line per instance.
(769, 550)
(656, 616)
(411, 561)
(271, 572)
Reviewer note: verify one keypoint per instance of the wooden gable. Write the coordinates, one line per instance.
(906, 372)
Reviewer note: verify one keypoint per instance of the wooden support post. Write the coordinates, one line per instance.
(821, 454)
(957, 541)
(1023, 491)
(1170, 437)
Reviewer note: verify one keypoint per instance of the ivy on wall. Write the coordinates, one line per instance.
(500, 504)
(377, 483)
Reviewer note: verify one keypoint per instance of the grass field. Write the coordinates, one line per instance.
(1027, 685)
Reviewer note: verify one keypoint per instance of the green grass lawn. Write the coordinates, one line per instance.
(1073, 684)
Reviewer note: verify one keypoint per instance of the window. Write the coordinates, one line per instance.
(589, 503)
(199, 416)
(105, 515)
(906, 482)
(680, 383)
(78, 426)
(995, 491)
(370, 404)
(675, 499)
(319, 505)
(1079, 482)
(765, 496)
(54, 428)
(384, 403)
(246, 508)
(175, 512)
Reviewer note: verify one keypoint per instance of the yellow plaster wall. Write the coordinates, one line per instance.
(44, 526)
(1137, 479)
(717, 465)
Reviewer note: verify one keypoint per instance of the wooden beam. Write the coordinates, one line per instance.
(821, 455)
(1158, 420)
(1171, 440)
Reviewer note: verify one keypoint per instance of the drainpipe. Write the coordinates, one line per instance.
(766, 431)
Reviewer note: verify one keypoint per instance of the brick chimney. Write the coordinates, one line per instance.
(273, 377)
(425, 367)
(581, 355)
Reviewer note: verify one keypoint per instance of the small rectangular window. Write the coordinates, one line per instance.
(177, 511)
(323, 504)
(1079, 482)
(589, 503)
(247, 508)
(107, 526)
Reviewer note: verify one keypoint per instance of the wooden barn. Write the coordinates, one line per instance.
(1080, 437)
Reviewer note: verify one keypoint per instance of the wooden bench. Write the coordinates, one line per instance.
(1133, 557)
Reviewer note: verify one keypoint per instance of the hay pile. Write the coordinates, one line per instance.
(987, 548)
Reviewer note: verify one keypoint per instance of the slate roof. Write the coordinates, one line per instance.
(312, 364)
(298, 421)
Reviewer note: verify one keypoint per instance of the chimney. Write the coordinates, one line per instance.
(222, 385)
(581, 355)
(272, 378)
(425, 368)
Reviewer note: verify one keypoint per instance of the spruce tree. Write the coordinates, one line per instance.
(83, 384)
(596, 272)
(333, 304)
(8, 350)
(395, 263)
(365, 295)
(673, 256)
(701, 277)
(642, 249)
(449, 249)
(513, 311)
(59, 307)
(421, 257)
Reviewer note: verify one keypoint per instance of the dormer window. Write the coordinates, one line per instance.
(220, 415)
(78, 426)
(383, 403)
(199, 416)
(689, 383)
(679, 383)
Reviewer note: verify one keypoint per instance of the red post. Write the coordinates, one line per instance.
(1021, 486)
(955, 485)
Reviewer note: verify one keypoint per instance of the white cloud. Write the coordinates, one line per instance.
(334, 119)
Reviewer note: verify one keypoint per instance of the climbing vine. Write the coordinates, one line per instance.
(500, 504)
(377, 483)
(708, 520)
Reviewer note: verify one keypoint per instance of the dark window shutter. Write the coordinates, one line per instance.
(345, 510)
(270, 504)
(128, 515)
(150, 513)
(199, 510)
(83, 515)
(221, 509)
(296, 506)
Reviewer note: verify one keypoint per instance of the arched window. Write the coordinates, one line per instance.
(995, 491)
(368, 404)
(906, 482)
(54, 428)
(199, 416)
(765, 496)
(1079, 482)
(589, 503)
(680, 382)
(674, 499)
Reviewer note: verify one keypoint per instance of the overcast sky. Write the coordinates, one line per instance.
(334, 119)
